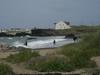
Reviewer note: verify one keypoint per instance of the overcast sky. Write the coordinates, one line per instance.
(43, 13)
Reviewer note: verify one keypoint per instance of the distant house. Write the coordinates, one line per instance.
(3, 30)
(13, 31)
(62, 25)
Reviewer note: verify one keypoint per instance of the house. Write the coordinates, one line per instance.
(13, 31)
(3, 30)
(62, 25)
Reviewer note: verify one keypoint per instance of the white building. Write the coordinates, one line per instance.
(62, 25)
(3, 30)
(18, 30)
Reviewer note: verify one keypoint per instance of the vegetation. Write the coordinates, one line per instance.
(75, 30)
(22, 34)
(3, 34)
(81, 53)
(53, 64)
(78, 56)
(23, 55)
(5, 70)
(51, 32)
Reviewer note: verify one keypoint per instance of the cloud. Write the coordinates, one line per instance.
(45, 12)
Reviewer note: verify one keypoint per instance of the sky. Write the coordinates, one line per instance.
(44, 13)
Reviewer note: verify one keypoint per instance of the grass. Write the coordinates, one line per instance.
(81, 53)
(22, 56)
(78, 55)
(53, 64)
(5, 70)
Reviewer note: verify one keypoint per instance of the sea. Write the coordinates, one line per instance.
(36, 42)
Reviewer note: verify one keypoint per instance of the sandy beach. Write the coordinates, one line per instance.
(6, 54)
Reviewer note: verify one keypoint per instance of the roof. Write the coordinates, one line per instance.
(68, 23)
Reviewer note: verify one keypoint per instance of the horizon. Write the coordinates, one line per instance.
(42, 14)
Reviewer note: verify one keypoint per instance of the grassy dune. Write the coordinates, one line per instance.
(5, 69)
(74, 56)
(81, 53)
(22, 56)
(77, 55)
